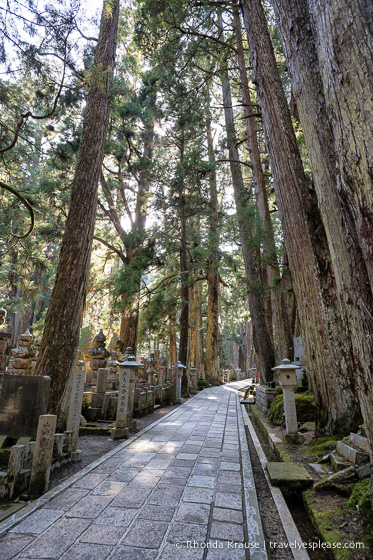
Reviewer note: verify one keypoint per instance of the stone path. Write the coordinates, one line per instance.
(180, 485)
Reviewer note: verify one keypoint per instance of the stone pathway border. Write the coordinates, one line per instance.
(182, 488)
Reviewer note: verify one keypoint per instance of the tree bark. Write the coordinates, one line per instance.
(343, 34)
(212, 325)
(351, 275)
(283, 335)
(64, 316)
(322, 329)
(262, 340)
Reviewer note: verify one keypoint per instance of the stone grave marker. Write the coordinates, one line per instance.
(23, 399)
(76, 401)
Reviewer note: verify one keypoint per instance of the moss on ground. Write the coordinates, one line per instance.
(360, 499)
(305, 405)
(322, 445)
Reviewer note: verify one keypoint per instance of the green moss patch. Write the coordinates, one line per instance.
(305, 405)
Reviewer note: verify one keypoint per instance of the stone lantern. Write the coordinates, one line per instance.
(124, 420)
(180, 370)
(150, 370)
(193, 379)
(238, 373)
(286, 374)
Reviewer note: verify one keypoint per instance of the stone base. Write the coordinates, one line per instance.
(131, 424)
(77, 455)
(119, 433)
(294, 438)
(289, 475)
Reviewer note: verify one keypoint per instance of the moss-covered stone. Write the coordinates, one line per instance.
(305, 405)
(360, 499)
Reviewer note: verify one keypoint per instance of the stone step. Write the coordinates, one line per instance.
(351, 454)
(291, 475)
(338, 463)
(321, 470)
(359, 441)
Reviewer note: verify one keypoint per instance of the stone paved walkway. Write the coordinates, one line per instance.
(182, 483)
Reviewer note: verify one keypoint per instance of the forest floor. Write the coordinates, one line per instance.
(336, 520)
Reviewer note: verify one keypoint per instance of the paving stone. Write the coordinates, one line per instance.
(57, 539)
(157, 464)
(202, 481)
(85, 551)
(124, 474)
(230, 501)
(224, 514)
(170, 553)
(183, 463)
(169, 495)
(158, 513)
(229, 488)
(140, 459)
(229, 477)
(10, 545)
(218, 550)
(66, 499)
(198, 495)
(187, 456)
(210, 454)
(145, 478)
(193, 513)
(206, 469)
(103, 534)
(108, 488)
(227, 466)
(131, 553)
(145, 534)
(208, 460)
(117, 517)
(178, 472)
(37, 522)
(183, 532)
(90, 481)
(227, 531)
(131, 497)
(172, 482)
(191, 449)
(89, 507)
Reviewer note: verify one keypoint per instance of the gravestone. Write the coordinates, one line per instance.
(23, 399)
(298, 356)
(76, 401)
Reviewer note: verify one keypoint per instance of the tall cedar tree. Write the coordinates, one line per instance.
(352, 279)
(322, 329)
(64, 316)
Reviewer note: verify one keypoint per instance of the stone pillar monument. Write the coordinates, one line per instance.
(126, 399)
(180, 371)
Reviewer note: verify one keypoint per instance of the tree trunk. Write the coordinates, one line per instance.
(283, 335)
(262, 340)
(343, 34)
(322, 329)
(129, 324)
(212, 326)
(64, 316)
(351, 275)
(184, 291)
